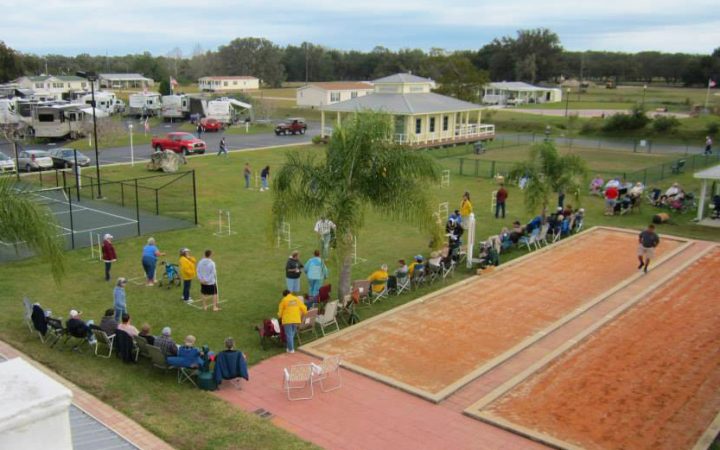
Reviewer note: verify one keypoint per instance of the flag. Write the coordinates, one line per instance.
(173, 83)
(147, 125)
(711, 83)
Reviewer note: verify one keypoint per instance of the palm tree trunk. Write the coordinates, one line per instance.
(345, 276)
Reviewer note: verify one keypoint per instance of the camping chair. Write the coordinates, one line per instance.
(298, 377)
(376, 296)
(579, 224)
(329, 317)
(102, 338)
(27, 314)
(328, 368)
(186, 374)
(55, 331)
(38, 320)
(157, 358)
(77, 341)
(348, 307)
(530, 240)
(230, 365)
(126, 349)
(363, 289)
(434, 273)
(402, 283)
(542, 237)
(418, 277)
(448, 269)
(308, 324)
(324, 293)
(142, 345)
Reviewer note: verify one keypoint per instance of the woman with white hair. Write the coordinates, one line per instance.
(150, 255)
(108, 254)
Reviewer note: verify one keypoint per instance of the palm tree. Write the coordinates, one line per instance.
(548, 173)
(362, 169)
(23, 220)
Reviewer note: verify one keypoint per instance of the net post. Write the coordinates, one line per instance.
(72, 225)
(194, 197)
(137, 206)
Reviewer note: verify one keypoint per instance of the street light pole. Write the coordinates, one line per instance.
(132, 150)
(92, 78)
(567, 101)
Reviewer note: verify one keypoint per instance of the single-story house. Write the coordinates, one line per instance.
(53, 86)
(124, 81)
(228, 83)
(517, 92)
(326, 93)
(420, 117)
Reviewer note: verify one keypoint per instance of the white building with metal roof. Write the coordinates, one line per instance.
(420, 117)
(124, 81)
(517, 92)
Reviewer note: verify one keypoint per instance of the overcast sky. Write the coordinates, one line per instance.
(131, 26)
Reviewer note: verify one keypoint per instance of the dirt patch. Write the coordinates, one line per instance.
(649, 380)
(432, 345)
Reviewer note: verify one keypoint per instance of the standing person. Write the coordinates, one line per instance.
(291, 311)
(648, 240)
(187, 272)
(325, 228)
(108, 254)
(502, 195)
(150, 255)
(199, 130)
(222, 148)
(611, 195)
(265, 177)
(316, 272)
(207, 275)
(465, 207)
(293, 270)
(561, 199)
(247, 173)
(708, 145)
(119, 299)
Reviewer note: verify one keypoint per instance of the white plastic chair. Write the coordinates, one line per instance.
(298, 377)
(28, 314)
(308, 324)
(102, 338)
(329, 317)
(403, 283)
(327, 369)
(376, 296)
(542, 237)
(530, 241)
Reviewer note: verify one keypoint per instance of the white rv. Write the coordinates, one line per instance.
(105, 101)
(175, 106)
(8, 114)
(59, 121)
(226, 110)
(145, 104)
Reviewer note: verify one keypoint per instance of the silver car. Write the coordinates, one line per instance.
(30, 160)
(7, 164)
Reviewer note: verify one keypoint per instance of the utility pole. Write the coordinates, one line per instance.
(92, 77)
(307, 64)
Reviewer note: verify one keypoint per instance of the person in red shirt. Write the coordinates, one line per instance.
(611, 195)
(108, 254)
(502, 195)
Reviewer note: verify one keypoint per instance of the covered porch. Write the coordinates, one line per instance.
(712, 174)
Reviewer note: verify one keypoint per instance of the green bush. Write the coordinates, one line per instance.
(712, 128)
(665, 124)
(623, 122)
(317, 139)
(589, 127)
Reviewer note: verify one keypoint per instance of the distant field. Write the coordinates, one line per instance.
(284, 92)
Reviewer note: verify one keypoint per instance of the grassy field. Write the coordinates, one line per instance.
(251, 277)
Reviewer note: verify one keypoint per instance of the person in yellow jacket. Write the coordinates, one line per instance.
(465, 208)
(187, 272)
(379, 275)
(291, 311)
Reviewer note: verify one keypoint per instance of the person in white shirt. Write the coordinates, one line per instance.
(324, 228)
(708, 145)
(673, 190)
(613, 182)
(208, 280)
(637, 190)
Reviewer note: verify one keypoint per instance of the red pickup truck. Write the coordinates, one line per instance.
(179, 142)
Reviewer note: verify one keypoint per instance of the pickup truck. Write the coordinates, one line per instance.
(293, 125)
(179, 142)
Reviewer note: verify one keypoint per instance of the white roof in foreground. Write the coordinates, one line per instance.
(516, 86)
(403, 104)
(713, 173)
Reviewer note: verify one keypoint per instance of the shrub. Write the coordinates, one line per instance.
(712, 128)
(623, 122)
(317, 139)
(665, 124)
(588, 127)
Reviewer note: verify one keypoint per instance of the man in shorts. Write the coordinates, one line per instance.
(648, 240)
(208, 280)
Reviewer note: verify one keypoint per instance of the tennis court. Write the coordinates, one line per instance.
(83, 223)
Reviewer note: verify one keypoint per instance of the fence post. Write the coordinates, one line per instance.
(57, 181)
(137, 207)
(157, 203)
(194, 196)
(40, 175)
(92, 189)
(461, 166)
(492, 169)
(122, 194)
(64, 182)
(72, 225)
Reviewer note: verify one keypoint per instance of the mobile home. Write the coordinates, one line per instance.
(145, 104)
(58, 121)
(226, 110)
(175, 106)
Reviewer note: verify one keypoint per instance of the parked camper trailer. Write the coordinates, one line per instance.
(145, 104)
(175, 106)
(58, 121)
(226, 110)
(105, 101)
(8, 114)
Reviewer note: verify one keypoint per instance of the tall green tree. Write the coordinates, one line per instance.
(362, 169)
(459, 78)
(22, 220)
(10, 63)
(549, 173)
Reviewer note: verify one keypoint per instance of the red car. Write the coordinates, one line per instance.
(211, 124)
(179, 142)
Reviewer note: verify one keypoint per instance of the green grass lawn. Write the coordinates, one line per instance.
(251, 278)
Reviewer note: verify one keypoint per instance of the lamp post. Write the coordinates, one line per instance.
(132, 149)
(92, 78)
(643, 97)
(567, 101)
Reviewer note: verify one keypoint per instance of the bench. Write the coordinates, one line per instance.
(678, 166)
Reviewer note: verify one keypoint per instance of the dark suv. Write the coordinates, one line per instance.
(293, 125)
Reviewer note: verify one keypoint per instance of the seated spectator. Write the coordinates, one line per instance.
(166, 343)
(535, 223)
(567, 210)
(611, 197)
(145, 333)
(637, 190)
(39, 318)
(488, 255)
(456, 217)
(435, 260)
(517, 232)
(108, 323)
(376, 277)
(596, 185)
(402, 270)
(504, 238)
(454, 233)
(127, 327)
(672, 191)
(187, 355)
(417, 262)
(613, 182)
(230, 363)
(77, 327)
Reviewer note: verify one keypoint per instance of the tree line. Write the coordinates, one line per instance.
(533, 56)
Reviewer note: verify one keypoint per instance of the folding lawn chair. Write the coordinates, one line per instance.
(157, 358)
(102, 338)
(418, 276)
(542, 237)
(298, 377)
(363, 289)
(27, 314)
(308, 324)
(126, 349)
(329, 317)
(327, 369)
(347, 307)
(376, 296)
(434, 273)
(38, 320)
(530, 241)
(402, 283)
(448, 269)
(55, 331)
(142, 345)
